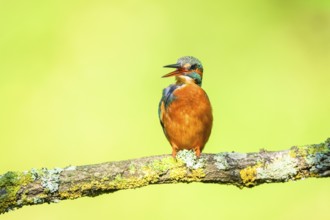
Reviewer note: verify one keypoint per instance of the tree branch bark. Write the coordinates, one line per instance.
(37, 186)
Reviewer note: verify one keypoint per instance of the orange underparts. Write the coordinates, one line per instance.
(187, 120)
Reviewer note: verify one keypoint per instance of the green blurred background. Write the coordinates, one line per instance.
(80, 84)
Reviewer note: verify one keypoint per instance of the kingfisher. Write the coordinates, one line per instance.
(185, 111)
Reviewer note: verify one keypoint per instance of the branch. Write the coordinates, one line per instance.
(38, 186)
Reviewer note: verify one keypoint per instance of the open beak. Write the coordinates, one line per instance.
(176, 72)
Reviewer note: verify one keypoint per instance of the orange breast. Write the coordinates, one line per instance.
(188, 119)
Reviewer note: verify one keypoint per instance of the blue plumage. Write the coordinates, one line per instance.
(168, 97)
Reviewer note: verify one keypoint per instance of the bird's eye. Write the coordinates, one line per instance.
(194, 66)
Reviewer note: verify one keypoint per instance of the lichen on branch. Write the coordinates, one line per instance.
(37, 186)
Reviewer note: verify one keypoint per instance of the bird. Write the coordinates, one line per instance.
(185, 111)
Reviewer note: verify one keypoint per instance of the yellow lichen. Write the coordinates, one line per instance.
(129, 183)
(318, 148)
(10, 184)
(249, 175)
(304, 174)
(298, 152)
(304, 151)
(104, 179)
(151, 173)
(293, 153)
(164, 164)
(186, 175)
(70, 195)
(178, 173)
(197, 175)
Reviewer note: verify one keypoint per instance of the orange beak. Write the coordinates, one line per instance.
(179, 70)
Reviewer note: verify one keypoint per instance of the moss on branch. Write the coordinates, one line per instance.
(37, 186)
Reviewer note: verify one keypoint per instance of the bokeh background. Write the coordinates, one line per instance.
(80, 84)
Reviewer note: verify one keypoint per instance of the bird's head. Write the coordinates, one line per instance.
(188, 70)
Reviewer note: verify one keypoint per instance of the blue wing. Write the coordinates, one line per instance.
(167, 98)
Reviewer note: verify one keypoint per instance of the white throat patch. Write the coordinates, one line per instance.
(184, 79)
